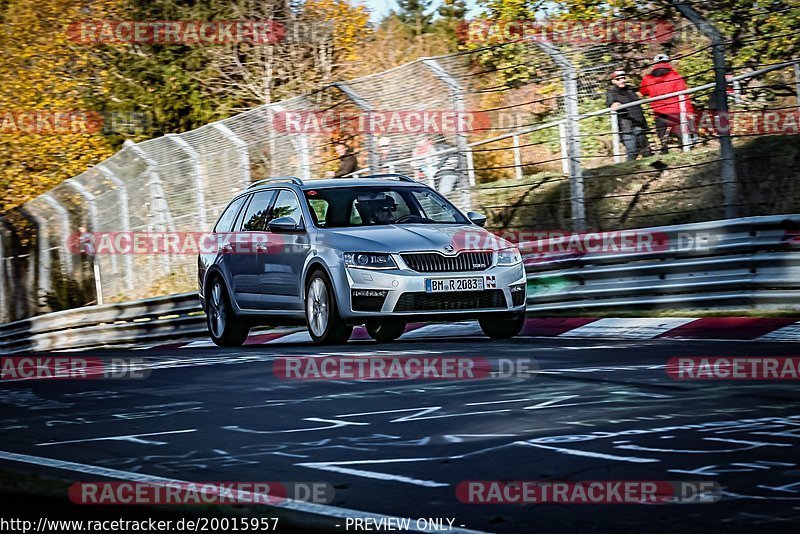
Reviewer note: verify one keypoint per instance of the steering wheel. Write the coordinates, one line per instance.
(410, 218)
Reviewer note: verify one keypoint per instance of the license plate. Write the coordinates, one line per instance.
(436, 285)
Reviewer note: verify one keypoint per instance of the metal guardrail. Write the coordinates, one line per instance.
(136, 321)
(751, 262)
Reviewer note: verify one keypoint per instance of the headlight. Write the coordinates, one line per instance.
(509, 256)
(369, 260)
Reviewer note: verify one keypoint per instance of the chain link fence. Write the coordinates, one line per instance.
(543, 152)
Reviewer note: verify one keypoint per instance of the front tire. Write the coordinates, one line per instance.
(502, 326)
(325, 325)
(225, 329)
(385, 330)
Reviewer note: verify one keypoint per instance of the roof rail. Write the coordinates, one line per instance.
(399, 176)
(293, 179)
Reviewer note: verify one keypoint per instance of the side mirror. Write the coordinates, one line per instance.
(284, 225)
(477, 218)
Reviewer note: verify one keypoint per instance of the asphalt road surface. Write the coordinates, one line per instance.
(595, 410)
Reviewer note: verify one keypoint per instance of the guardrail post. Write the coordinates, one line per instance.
(373, 159)
(66, 264)
(159, 208)
(465, 162)
(573, 137)
(199, 185)
(517, 158)
(684, 124)
(124, 218)
(91, 202)
(615, 143)
(727, 162)
(241, 149)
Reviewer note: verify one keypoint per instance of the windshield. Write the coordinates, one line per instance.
(339, 207)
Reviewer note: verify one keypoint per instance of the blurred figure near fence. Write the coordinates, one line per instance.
(386, 152)
(436, 163)
(672, 114)
(631, 121)
(348, 163)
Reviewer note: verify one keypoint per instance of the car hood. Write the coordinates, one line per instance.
(411, 237)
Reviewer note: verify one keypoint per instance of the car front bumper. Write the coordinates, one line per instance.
(366, 293)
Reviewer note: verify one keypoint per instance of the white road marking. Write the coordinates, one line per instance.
(287, 504)
(135, 438)
(638, 328)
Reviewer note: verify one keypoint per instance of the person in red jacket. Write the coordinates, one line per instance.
(662, 80)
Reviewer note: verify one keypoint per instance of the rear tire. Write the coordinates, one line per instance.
(225, 329)
(502, 326)
(325, 325)
(385, 330)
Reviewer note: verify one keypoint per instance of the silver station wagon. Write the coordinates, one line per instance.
(380, 251)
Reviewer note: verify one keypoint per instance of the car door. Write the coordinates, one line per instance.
(248, 250)
(283, 264)
(220, 239)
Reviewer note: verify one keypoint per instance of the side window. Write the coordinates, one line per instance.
(257, 215)
(226, 221)
(287, 205)
(320, 207)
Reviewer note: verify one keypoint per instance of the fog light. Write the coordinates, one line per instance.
(369, 293)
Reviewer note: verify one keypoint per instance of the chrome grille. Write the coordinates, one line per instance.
(431, 262)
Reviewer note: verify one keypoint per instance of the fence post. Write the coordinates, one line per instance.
(797, 82)
(241, 149)
(517, 158)
(124, 218)
(91, 202)
(684, 124)
(302, 149)
(573, 137)
(159, 208)
(465, 161)
(373, 159)
(615, 144)
(5, 312)
(562, 138)
(43, 257)
(727, 162)
(66, 264)
(199, 186)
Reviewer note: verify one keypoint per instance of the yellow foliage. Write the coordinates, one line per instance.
(42, 69)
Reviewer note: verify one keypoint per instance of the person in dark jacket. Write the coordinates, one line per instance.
(348, 163)
(663, 80)
(632, 124)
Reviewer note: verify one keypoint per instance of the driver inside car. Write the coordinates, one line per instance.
(379, 211)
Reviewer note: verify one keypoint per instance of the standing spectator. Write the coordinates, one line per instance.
(348, 163)
(632, 124)
(663, 80)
